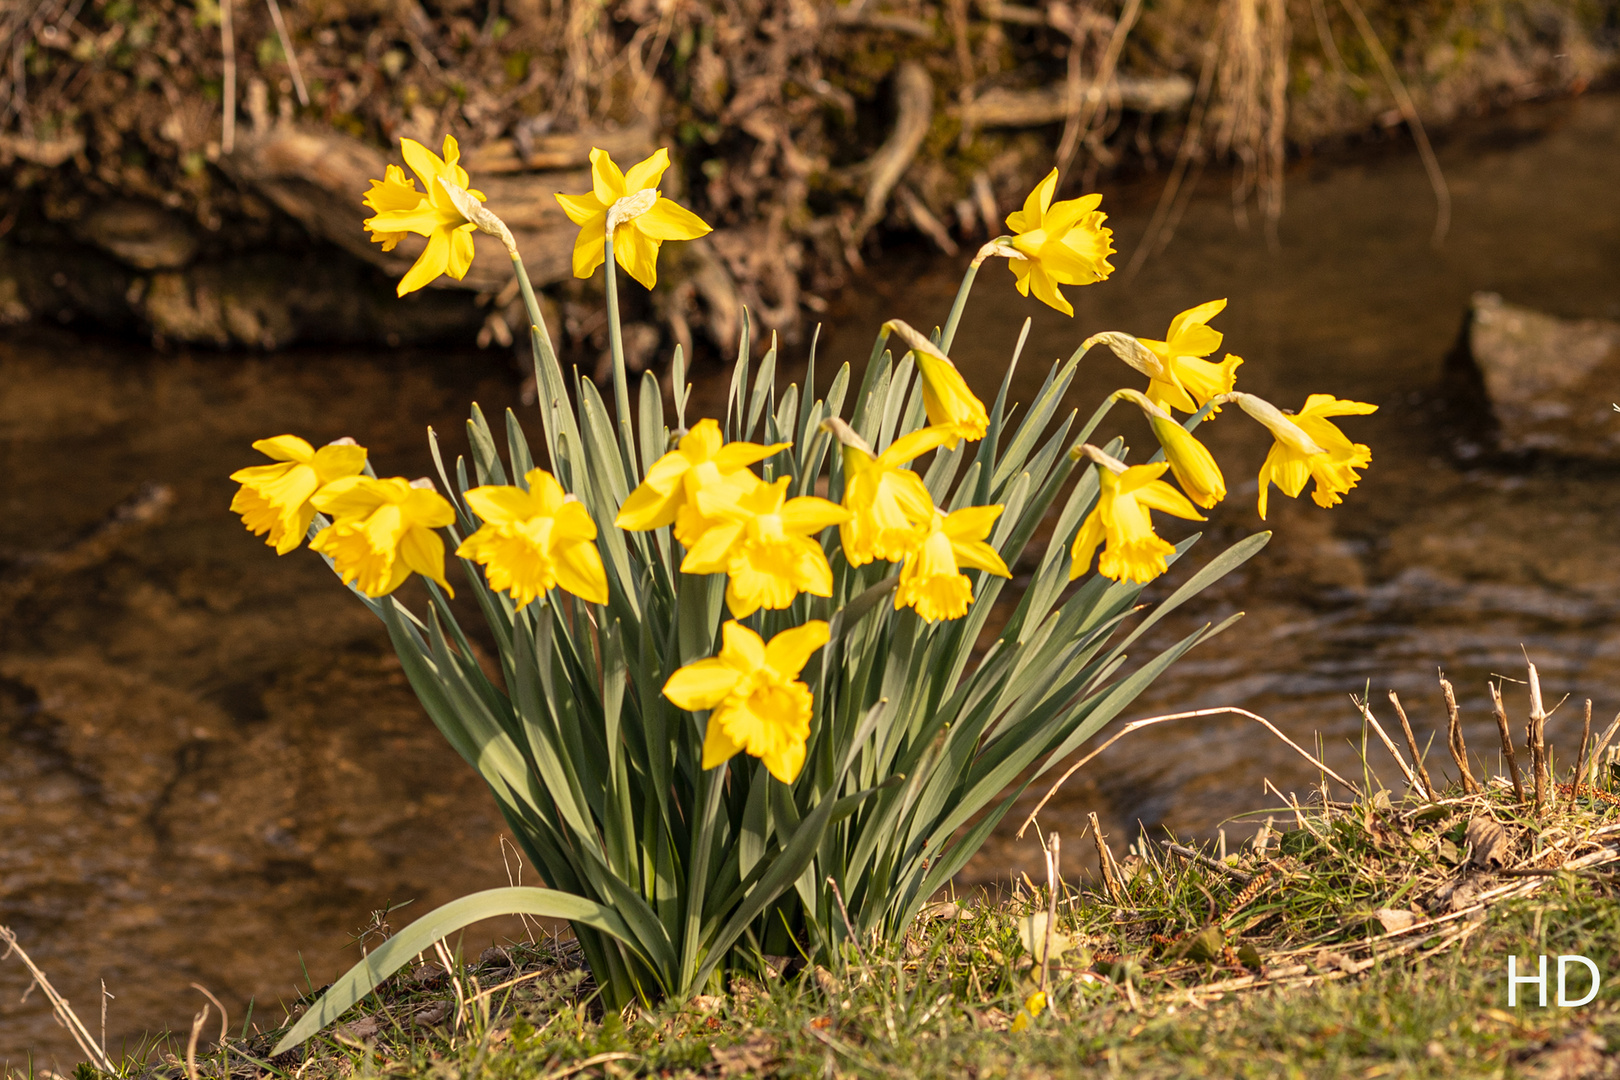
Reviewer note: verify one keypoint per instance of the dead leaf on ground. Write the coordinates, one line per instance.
(1394, 920)
(1489, 843)
(1032, 932)
(707, 1002)
(433, 1014)
(366, 1027)
(751, 1057)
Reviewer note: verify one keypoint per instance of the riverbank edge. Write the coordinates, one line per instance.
(142, 223)
(1370, 938)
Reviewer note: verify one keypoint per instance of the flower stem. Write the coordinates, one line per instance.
(962, 291)
(621, 382)
(537, 321)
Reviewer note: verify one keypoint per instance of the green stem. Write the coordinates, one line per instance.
(621, 381)
(537, 321)
(957, 306)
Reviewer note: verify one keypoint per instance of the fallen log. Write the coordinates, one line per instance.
(1006, 108)
(319, 177)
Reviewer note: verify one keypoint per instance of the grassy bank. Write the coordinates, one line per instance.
(1366, 938)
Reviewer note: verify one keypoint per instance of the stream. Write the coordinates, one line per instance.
(212, 770)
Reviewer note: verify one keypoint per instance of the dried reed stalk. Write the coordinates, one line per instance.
(1105, 859)
(1411, 743)
(227, 44)
(287, 47)
(1507, 741)
(1454, 738)
(1536, 737)
(1595, 761)
(1389, 744)
(59, 1004)
(1052, 878)
(1580, 758)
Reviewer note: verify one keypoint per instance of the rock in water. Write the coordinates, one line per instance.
(1552, 382)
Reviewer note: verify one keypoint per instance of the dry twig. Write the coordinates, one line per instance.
(59, 1004)
(1507, 741)
(1454, 738)
(1536, 737)
(1411, 743)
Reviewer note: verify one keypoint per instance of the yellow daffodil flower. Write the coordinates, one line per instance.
(1309, 447)
(888, 504)
(382, 531)
(1034, 1005)
(764, 541)
(1184, 380)
(701, 460)
(946, 397)
(1134, 551)
(533, 540)
(931, 580)
(1191, 462)
(1061, 243)
(275, 499)
(433, 214)
(648, 219)
(754, 695)
(394, 192)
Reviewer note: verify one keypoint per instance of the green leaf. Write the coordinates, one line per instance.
(420, 935)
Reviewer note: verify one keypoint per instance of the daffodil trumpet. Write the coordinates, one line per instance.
(1309, 447)
(1122, 521)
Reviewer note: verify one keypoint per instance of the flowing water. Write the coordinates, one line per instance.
(212, 770)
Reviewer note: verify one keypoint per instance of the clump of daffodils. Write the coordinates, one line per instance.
(759, 591)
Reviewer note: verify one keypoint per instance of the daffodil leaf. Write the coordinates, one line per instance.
(486, 462)
(440, 923)
(517, 447)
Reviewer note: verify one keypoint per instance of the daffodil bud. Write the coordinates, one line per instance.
(1192, 463)
(949, 402)
(1189, 459)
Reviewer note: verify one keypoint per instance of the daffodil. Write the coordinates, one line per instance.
(275, 499)
(536, 539)
(1061, 243)
(931, 580)
(1191, 462)
(645, 219)
(701, 460)
(1184, 380)
(765, 542)
(1309, 447)
(394, 192)
(382, 531)
(432, 214)
(887, 503)
(946, 397)
(1134, 551)
(756, 701)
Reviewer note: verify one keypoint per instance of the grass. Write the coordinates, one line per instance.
(1294, 960)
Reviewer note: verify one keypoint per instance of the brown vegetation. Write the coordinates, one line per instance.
(802, 129)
